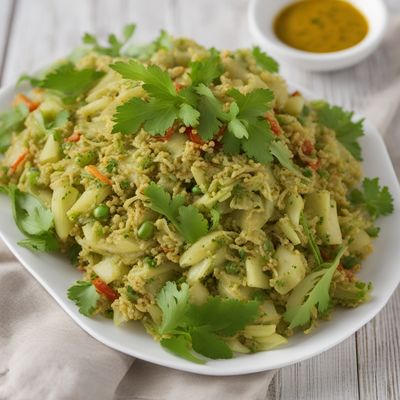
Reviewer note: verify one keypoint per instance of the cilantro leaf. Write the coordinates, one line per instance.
(180, 346)
(265, 61)
(282, 153)
(210, 112)
(258, 144)
(189, 115)
(231, 144)
(115, 45)
(312, 292)
(200, 327)
(347, 131)
(223, 316)
(130, 116)
(192, 223)
(377, 200)
(156, 82)
(69, 81)
(253, 105)
(209, 344)
(85, 296)
(44, 243)
(145, 51)
(173, 304)
(10, 122)
(162, 203)
(31, 217)
(207, 70)
(34, 220)
(188, 220)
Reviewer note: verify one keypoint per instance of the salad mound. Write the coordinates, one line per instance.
(194, 191)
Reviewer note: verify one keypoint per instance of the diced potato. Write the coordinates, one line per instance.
(360, 242)
(50, 107)
(291, 270)
(294, 105)
(89, 199)
(208, 201)
(294, 208)
(231, 286)
(251, 220)
(203, 248)
(109, 269)
(236, 346)
(287, 229)
(258, 331)
(51, 151)
(270, 342)
(64, 196)
(320, 204)
(199, 270)
(114, 244)
(269, 315)
(255, 276)
(198, 293)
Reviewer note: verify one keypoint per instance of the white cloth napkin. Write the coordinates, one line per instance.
(45, 355)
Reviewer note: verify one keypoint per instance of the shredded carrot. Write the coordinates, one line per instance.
(193, 136)
(21, 98)
(92, 170)
(167, 136)
(20, 159)
(178, 86)
(307, 147)
(74, 137)
(315, 165)
(273, 123)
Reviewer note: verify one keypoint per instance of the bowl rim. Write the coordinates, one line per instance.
(284, 50)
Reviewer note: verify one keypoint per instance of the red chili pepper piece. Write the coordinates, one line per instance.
(103, 288)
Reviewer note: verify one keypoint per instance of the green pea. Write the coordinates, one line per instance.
(101, 212)
(87, 158)
(232, 268)
(131, 294)
(196, 190)
(151, 262)
(307, 172)
(33, 175)
(146, 230)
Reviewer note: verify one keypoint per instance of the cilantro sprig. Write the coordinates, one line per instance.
(347, 131)
(197, 106)
(186, 327)
(312, 292)
(11, 121)
(188, 220)
(34, 220)
(264, 60)
(377, 200)
(67, 81)
(114, 44)
(85, 296)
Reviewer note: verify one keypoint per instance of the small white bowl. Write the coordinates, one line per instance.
(261, 16)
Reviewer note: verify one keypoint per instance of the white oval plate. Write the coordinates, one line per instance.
(56, 274)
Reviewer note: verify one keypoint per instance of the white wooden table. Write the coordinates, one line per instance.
(32, 32)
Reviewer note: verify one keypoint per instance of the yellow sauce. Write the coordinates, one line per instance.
(321, 26)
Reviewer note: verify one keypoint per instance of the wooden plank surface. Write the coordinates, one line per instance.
(6, 18)
(366, 366)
